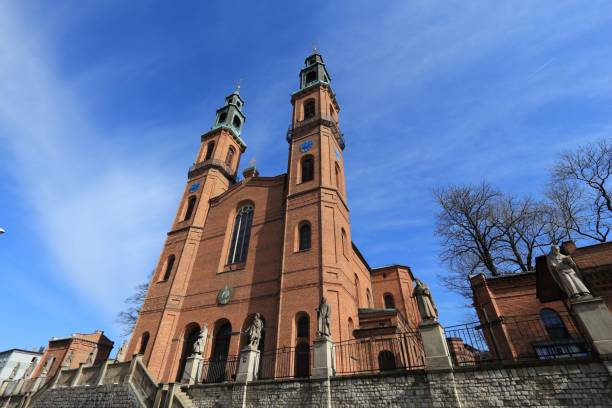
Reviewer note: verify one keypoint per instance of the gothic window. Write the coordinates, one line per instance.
(144, 340)
(307, 168)
(554, 325)
(222, 117)
(309, 108)
(305, 233)
(240, 238)
(169, 265)
(237, 122)
(230, 156)
(210, 147)
(389, 302)
(190, 207)
(338, 178)
(311, 77)
(303, 326)
(344, 250)
(386, 360)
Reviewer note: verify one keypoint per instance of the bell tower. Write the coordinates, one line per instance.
(213, 172)
(316, 202)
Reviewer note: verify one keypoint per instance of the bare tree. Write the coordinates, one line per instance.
(133, 303)
(581, 190)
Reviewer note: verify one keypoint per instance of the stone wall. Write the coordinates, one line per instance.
(567, 384)
(103, 396)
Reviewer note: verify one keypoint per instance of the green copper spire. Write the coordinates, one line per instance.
(315, 70)
(230, 116)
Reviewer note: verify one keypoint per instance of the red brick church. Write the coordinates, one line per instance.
(268, 245)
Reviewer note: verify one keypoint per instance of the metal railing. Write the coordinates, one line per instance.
(220, 369)
(516, 338)
(373, 354)
(286, 362)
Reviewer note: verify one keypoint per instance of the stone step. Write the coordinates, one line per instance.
(184, 398)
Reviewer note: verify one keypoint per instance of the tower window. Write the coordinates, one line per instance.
(305, 233)
(338, 178)
(554, 325)
(144, 341)
(309, 108)
(230, 156)
(237, 122)
(210, 148)
(307, 168)
(222, 117)
(303, 326)
(389, 302)
(190, 207)
(169, 266)
(343, 234)
(369, 298)
(240, 238)
(311, 77)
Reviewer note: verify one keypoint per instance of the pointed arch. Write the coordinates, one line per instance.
(239, 246)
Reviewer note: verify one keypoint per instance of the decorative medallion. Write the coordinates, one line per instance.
(224, 295)
(306, 146)
(194, 187)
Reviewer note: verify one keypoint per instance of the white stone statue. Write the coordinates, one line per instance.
(200, 343)
(120, 357)
(323, 316)
(427, 307)
(254, 331)
(563, 270)
(14, 372)
(67, 360)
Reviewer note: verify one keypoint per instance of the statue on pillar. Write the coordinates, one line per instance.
(563, 270)
(67, 360)
(427, 307)
(254, 331)
(120, 357)
(92, 356)
(323, 315)
(200, 343)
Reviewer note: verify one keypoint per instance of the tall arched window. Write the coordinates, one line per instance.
(169, 266)
(230, 156)
(217, 371)
(389, 302)
(190, 207)
(369, 297)
(210, 148)
(351, 326)
(343, 235)
(307, 164)
(236, 122)
(357, 290)
(303, 326)
(305, 233)
(309, 108)
(554, 325)
(192, 331)
(338, 178)
(144, 341)
(239, 246)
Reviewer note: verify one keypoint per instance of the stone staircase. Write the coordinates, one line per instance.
(184, 400)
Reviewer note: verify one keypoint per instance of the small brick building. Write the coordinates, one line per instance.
(526, 314)
(268, 245)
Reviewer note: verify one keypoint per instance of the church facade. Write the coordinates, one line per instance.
(268, 245)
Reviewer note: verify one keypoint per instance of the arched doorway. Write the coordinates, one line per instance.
(302, 360)
(386, 360)
(191, 335)
(220, 351)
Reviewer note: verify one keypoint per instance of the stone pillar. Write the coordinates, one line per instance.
(193, 369)
(324, 364)
(4, 386)
(248, 365)
(596, 320)
(437, 356)
(77, 375)
(102, 372)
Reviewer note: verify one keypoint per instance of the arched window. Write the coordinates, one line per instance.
(302, 360)
(554, 325)
(307, 163)
(357, 290)
(222, 117)
(311, 77)
(210, 148)
(240, 238)
(192, 331)
(369, 297)
(303, 326)
(386, 360)
(190, 207)
(351, 326)
(344, 250)
(230, 156)
(305, 233)
(217, 370)
(169, 265)
(144, 340)
(309, 108)
(236, 122)
(338, 178)
(389, 302)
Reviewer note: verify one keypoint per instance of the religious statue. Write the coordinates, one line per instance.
(427, 308)
(14, 372)
(198, 345)
(67, 360)
(30, 369)
(563, 270)
(323, 314)
(254, 331)
(92, 357)
(121, 352)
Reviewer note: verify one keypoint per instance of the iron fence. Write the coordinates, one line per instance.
(372, 354)
(286, 362)
(514, 338)
(219, 369)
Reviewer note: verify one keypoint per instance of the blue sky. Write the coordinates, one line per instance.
(102, 105)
